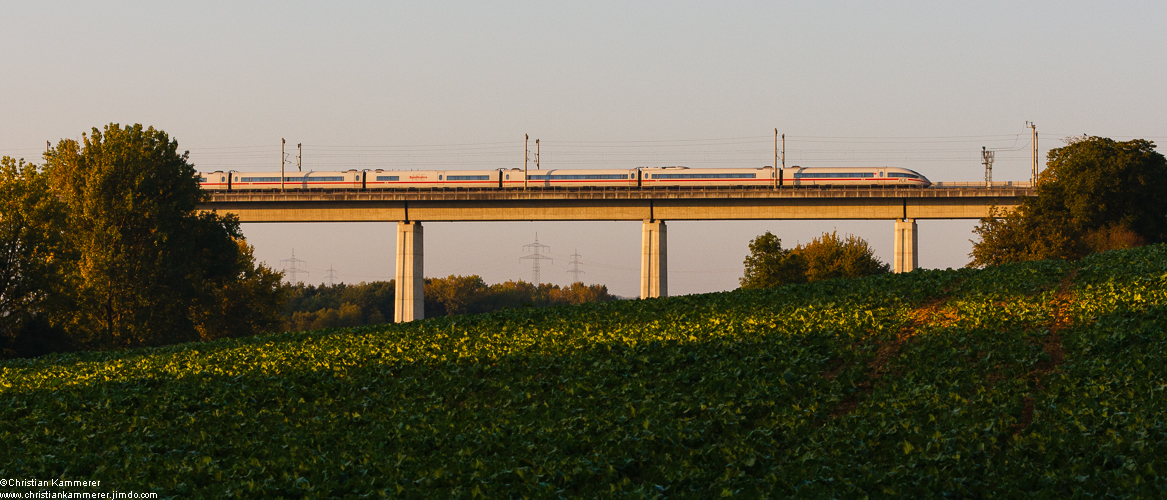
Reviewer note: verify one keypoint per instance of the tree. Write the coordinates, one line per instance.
(829, 257)
(768, 265)
(1028, 234)
(246, 301)
(825, 257)
(579, 293)
(32, 260)
(454, 294)
(1096, 194)
(146, 258)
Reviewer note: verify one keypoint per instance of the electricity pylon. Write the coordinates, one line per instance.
(536, 248)
(292, 267)
(575, 270)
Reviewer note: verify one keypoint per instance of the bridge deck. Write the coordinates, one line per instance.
(718, 203)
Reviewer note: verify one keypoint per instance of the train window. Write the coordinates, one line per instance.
(508, 177)
(705, 176)
(906, 176)
(576, 177)
(331, 178)
(388, 178)
(467, 178)
(221, 179)
(439, 177)
(833, 175)
(202, 179)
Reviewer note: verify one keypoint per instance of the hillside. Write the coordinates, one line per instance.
(1044, 377)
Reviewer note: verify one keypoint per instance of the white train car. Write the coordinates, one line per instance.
(350, 179)
(214, 181)
(853, 176)
(404, 179)
(570, 178)
(685, 176)
(514, 178)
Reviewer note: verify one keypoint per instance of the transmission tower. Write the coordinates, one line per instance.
(987, 160)
(292, 267)
(535, 256)
(331, 276)
(575, 270)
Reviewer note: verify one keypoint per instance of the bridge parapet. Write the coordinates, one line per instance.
(982, 184)
(860, 203)
(950, 190)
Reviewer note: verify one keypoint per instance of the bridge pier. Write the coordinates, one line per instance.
(409, 299)
(654, 269)
(907, 246)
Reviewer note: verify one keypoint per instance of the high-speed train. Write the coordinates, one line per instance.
(642, 177)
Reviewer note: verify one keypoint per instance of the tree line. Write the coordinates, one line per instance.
(311, 307)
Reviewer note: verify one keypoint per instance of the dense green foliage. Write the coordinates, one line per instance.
(769, 265)
(144, 254)
(331, 306)
(470, 295)
(827, 257)
(311, 307)
(1096, 194)
(247, 301)
(107, 250)
(1041, 379)
(32, 260)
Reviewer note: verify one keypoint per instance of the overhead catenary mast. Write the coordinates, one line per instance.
(987, 160)
(777, 173)
(1033, 127)
(783, 160)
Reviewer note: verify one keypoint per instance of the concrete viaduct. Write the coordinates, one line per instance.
(410, 208)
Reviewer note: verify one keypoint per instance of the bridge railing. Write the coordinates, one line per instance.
(981, 184)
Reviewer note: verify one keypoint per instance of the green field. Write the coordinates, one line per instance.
(1045, 378)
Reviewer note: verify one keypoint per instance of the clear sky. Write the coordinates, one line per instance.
(922, 85)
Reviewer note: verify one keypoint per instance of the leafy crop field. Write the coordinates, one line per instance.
(1045, 378)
